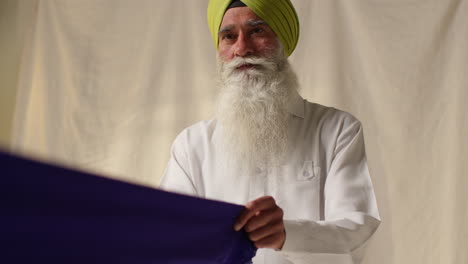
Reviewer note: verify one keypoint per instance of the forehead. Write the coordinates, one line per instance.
(238, 16)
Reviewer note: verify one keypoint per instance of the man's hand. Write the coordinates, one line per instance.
(262, 219)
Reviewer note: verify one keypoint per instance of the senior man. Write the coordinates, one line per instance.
(300, 168)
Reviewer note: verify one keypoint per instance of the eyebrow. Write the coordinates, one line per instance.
(254, 23)
(226, 28)
(251, 23)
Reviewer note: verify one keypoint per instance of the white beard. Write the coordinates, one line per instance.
(252, 110)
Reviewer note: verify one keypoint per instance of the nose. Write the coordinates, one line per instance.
(243, 46)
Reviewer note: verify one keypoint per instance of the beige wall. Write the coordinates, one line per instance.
(15, 20)
(9, 65)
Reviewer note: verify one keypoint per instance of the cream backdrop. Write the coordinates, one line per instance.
(106, 85)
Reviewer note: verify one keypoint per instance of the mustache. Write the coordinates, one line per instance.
(258, 63)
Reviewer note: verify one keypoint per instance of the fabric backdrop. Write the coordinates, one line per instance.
(106, 85)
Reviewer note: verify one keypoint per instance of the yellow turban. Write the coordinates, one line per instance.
(280, 15)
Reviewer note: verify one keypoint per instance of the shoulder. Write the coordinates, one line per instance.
(336, 128)
(329, 123)
(196, 134)
(328, 117)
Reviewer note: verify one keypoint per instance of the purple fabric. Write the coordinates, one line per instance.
(50, 214)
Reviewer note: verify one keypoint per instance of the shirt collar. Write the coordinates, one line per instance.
(296, 105)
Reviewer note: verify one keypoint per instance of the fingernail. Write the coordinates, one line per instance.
(236, 227)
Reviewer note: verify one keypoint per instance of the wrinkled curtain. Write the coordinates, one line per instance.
(107, 85)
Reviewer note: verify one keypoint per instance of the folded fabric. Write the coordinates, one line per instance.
(50, 214)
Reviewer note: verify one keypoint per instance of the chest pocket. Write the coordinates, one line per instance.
(299, 189)
(308, 171)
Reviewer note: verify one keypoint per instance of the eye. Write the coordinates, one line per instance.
(257, 30)
(228, 36)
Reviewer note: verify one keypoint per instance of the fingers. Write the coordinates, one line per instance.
(266, 231)
(275, 241)
(252, 208)
(262, 219)
(266, 217)
(261, 203)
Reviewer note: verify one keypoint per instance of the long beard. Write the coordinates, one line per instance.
(252, 110)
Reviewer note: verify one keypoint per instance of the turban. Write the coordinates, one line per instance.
(280, 15)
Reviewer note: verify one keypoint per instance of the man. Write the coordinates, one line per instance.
(300, 168)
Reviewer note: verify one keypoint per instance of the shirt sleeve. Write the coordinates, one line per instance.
(350, 209)
(176, 176)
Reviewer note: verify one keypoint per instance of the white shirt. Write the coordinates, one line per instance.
(324, 187)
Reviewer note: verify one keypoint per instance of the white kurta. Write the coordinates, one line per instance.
(324, 187)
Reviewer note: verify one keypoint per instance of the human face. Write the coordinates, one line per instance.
(244, 34)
